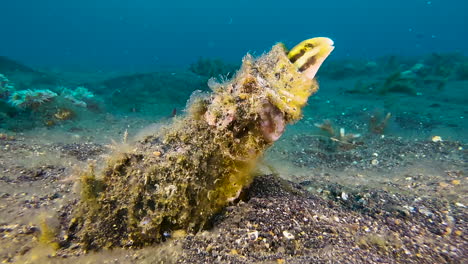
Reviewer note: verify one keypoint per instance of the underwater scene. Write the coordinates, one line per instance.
(234, 131)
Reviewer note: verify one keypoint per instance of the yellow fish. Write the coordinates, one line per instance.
(309, 55)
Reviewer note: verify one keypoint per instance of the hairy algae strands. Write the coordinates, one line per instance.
(204, 159)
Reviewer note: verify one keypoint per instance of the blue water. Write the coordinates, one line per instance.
(144, 34)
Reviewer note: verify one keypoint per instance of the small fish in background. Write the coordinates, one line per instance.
(174, 112)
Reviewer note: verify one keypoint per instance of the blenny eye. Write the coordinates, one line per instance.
(309, 55)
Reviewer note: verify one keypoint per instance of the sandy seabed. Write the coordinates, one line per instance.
(399, 196)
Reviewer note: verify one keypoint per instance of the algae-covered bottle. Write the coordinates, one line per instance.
(177, 179)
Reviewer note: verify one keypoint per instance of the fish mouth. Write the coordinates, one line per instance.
(309, 55)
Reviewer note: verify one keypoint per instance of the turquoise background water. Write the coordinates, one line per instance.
(144, 34)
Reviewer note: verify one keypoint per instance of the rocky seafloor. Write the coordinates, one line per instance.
(408, 209)
(358, 188)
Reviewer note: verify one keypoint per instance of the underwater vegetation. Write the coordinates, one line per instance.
(462, 71)
(174, 181)
(409, 76)
(341, 69)
(408, 82)
(337, 139)
(30, 98)
(378, 124)
(6, 87)
(33, 99)
(77, 97)
(45, 104)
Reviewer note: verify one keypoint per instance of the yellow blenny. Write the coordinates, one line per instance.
(309, 55)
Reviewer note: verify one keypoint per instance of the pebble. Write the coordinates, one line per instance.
(344, 196)
(253, 235)
(456, 182)
(288, 235)
(443, 184)
(447, 231)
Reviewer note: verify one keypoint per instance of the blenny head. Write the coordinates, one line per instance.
(309, 55)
